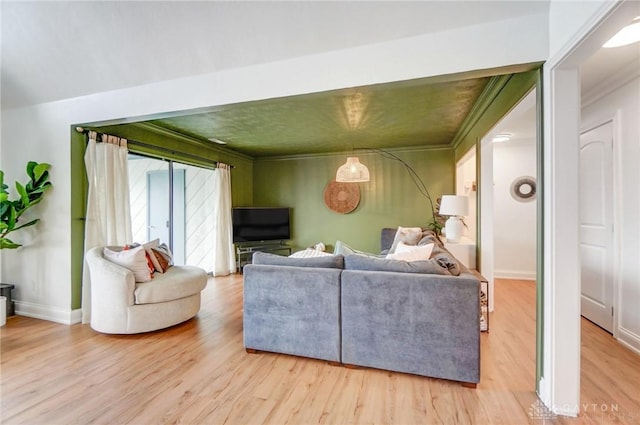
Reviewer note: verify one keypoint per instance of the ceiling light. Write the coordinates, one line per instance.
(352, 171)
(627, 35)
(218, 141)
(502, 137)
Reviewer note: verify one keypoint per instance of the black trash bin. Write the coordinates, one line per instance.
(5, 291)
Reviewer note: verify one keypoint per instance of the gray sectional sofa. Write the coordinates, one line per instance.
(361, 310)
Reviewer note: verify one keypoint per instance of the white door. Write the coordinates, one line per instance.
(596, 225)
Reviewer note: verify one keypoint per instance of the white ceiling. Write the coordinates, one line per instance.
(520, 122)
(607, 64)
(58, 50)
(604, 70)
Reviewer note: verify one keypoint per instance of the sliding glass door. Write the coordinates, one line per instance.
(173, 202)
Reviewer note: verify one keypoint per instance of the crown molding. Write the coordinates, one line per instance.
(358, 151)
(488, 95)
(613, 82)
(165, 132)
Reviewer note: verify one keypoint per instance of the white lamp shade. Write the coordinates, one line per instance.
(454, 205)
(352, 171)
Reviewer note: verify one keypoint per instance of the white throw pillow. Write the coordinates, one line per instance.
(310, 253)
(408, 235)
(134, 259)
(411, 253)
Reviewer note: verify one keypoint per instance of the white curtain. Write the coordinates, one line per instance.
(224, 260)
(108, 220)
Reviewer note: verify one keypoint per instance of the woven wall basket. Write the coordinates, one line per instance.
(341, 197)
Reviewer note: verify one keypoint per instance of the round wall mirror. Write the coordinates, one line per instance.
(523, 189)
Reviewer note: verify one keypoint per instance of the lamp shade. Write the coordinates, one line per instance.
(352, 171)
(454, 205)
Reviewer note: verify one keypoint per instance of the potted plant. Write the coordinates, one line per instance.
(29, 195)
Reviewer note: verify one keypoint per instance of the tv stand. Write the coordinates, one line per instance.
(244, 251)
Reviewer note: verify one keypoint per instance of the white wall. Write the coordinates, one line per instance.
(568, 18)
(623, 105)
(43, 131)
(514, 221)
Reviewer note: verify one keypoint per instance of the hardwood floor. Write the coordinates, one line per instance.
(199, 373)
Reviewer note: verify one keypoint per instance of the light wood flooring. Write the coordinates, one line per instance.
(199, 373)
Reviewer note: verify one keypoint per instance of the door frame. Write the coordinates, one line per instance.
(616, 201)
(559, 383)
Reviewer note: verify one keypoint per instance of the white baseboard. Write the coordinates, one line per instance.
(571, 411)
(514, 274)
(544, 393)
(45, 312)
(629, 339)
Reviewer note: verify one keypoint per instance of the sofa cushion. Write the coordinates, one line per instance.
(361, 262)
(178, 282)
(332, 261)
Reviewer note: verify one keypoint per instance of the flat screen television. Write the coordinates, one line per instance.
(256, 224)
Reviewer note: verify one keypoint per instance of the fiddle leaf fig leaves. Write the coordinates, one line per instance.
(29, 194)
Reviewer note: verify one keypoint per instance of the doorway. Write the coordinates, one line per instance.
(509, 214)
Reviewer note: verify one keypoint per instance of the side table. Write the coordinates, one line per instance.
(465, 251)
(5, 291)
(484, 300)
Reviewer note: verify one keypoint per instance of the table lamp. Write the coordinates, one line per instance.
(454, 206)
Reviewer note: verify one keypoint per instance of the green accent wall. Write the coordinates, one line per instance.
(390, 199)
(79, 187)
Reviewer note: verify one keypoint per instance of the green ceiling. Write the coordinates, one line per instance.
(425, 112)
(380, 116)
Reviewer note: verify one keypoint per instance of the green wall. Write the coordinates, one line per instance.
(390, 199)
(79, 188)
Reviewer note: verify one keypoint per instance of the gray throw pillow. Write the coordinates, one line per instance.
(429, 236)
(446, 259)
(330, 262)
(361, 262)
(408, 235)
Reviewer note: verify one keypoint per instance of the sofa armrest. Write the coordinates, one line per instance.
(112, 292)
(292, 310)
